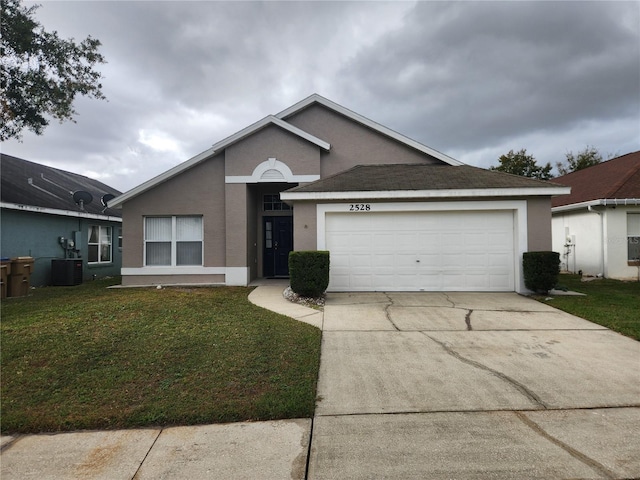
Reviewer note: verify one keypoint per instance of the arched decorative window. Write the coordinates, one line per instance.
(272, 170)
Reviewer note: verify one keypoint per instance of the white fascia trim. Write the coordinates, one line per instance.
(252, 179)
(163, 177)
(520, 221)
(269, 120)
(597, 203)
(301, 133)
(368, 123)
(401, 194)
(54, 211)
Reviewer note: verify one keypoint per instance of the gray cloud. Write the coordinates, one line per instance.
(470, 79)
(476, 74)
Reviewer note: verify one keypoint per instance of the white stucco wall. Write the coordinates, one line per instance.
(591, 230)
(584, 228)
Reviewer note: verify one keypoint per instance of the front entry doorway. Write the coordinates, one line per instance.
(278, 242)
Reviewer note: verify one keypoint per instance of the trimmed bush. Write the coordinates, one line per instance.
(541, 270)
(309, 272)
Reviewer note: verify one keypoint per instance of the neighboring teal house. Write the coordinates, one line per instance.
(49, 214)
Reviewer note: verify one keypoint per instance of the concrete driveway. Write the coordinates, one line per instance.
(468, 385)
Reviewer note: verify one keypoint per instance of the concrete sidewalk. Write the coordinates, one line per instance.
(237, 451)
(424, 385)
(268, 294)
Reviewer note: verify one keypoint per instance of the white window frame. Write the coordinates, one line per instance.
(100, 243)
(174, 241)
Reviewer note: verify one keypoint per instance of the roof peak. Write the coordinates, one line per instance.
(319, 99)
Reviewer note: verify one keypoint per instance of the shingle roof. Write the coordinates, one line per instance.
(618, 178)
(33, 184)
(368, 178)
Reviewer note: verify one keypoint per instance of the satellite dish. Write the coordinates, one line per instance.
(82, 198)
(105, 199)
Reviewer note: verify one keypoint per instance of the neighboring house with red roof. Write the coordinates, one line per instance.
(596, 228)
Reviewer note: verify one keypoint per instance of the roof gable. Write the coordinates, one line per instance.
(31, 184)
(265, 122)
(315, 98)
(217, 148)
(618, 178)
(280, 121)
(421, 181)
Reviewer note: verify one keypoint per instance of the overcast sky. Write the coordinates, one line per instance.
(470, 79)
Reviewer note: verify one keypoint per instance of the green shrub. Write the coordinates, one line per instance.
(541, 270)
(309, 272)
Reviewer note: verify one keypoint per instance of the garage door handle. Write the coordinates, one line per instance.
(417, 261)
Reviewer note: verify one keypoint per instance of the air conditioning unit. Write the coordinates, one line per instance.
(66, 271)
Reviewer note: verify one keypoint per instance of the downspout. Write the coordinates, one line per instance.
(591, 209)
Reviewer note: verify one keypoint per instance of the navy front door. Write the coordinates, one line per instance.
(278, 242)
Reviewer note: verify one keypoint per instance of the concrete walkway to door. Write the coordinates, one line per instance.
(472, 385)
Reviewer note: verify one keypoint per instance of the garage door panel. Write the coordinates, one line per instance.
(453, 261)
(414, 251)
(405, 260)
(383, 242)
(341, 242)
(452, 240)
(500, 238)
(475, 238)
(476, 260)
(384, 261)
(361, 260)
(501, 260)
(430, 260)
(500, 282)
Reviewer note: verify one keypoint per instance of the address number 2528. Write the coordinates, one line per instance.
(359, 207)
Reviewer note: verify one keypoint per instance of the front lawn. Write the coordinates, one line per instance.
(88, 357)
(610, 303)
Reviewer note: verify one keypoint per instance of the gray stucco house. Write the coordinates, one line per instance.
(394, 214)
(47, 214)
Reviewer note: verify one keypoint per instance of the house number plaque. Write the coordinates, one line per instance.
(359, 207)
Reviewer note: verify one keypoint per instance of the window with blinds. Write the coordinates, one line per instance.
(173, 241)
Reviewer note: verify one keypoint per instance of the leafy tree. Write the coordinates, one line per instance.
(40, 73)
(589, 157)
(519, 163)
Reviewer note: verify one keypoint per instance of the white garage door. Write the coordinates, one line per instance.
(414, 251)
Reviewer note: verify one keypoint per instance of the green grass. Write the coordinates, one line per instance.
(610, 303)
(88, 357)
